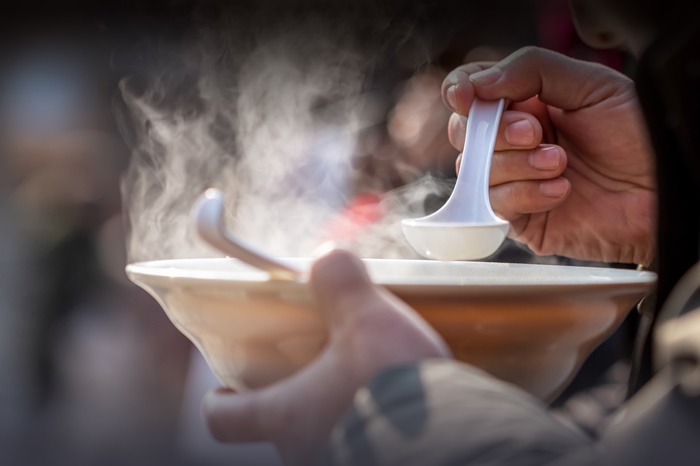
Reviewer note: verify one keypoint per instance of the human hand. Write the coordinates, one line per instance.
(573, 169)
(369, 331)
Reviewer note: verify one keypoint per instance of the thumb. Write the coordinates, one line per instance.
(557, 80)
(341, 284)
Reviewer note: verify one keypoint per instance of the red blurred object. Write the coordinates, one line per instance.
(362, 211)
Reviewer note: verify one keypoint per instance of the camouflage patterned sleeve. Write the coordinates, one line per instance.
(441, 412)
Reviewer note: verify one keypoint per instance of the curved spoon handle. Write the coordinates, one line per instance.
(208, 219)
(472, 188)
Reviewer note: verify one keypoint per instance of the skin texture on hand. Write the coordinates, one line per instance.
(573, 167)
(370, 330)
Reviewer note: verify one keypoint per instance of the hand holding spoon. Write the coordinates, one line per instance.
(465, 228)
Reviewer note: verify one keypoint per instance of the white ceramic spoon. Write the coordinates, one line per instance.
(208, 219)
(465, 228)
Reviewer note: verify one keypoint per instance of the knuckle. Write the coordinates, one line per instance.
(532, 54)
(535, 53)
(532, 50)
(527, 53)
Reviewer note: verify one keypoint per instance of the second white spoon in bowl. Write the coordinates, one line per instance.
(465, 228)
(208, 220)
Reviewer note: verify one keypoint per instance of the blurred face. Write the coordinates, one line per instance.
(614, 23)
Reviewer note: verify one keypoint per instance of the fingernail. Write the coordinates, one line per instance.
(546, 158)
(520, 133)
(451, 96)
(486, 77)
(554, 188)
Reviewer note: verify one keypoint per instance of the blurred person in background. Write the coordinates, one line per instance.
(91, 370)
(18, 311)
(384, 390)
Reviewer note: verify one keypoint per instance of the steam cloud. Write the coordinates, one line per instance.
(276, 117)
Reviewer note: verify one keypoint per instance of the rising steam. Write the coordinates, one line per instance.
(276, 118)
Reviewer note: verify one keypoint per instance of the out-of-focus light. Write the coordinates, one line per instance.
(45, 93)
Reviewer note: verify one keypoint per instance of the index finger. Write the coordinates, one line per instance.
(556, 79)
(457, 90)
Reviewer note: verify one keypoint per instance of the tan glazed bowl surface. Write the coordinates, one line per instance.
(532, 325)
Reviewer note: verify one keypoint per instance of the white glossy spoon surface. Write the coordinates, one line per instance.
(465, 228)
(208, 219)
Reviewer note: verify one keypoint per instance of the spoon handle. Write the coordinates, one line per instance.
(472, 188)
(207, 217)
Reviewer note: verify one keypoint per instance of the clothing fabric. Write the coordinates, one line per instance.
(445, 413)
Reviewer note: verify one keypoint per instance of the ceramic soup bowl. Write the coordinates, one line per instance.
(532, 325)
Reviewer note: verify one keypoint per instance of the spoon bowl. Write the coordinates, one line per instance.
(453, 241)
(465, 228)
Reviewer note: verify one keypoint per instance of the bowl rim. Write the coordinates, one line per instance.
(170, 273)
